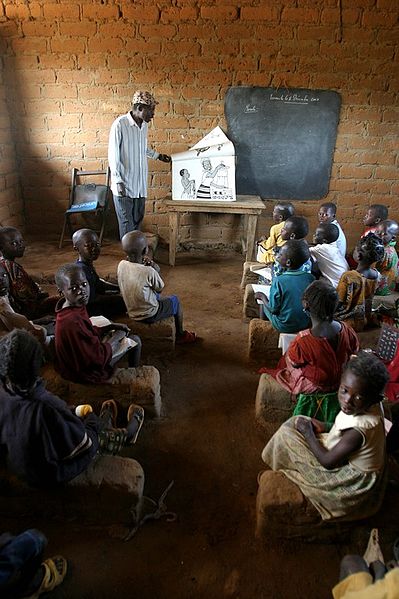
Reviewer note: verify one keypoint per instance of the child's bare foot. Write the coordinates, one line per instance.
(109, 413)
(186, 338)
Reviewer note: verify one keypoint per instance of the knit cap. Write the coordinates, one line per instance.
(142, 97)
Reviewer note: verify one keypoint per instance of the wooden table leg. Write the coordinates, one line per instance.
(173, 236)
(251, 232)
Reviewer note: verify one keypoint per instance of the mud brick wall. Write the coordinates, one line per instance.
(70, 67)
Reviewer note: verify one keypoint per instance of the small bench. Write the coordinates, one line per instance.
(158, 337)
(263, 340)
(250, 308)
(249, 276)
(139, 385)
(273, 404)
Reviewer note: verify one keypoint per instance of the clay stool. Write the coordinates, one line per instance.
(152, 241)
(158, 337)
(282, 510)
(139, 385)
(273, 404)
(250, 307)
(248, 276)
(263, 343)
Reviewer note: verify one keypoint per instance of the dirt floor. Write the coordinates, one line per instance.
(208, 444)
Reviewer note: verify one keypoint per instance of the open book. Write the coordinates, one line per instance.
(263, 289)
(125, 344)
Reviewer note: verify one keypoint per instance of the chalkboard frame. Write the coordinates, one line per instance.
(284, 140)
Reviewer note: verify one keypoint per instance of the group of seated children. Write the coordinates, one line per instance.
(85, 350)
(374, 266)
(333, 447)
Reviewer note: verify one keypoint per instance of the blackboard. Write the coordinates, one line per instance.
(284, 140)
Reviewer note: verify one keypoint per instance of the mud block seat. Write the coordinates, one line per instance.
(282, 510)
(248, 276)
(139, 385)
(250, 308)
(263, 343)
(273, 404)
(158, 337)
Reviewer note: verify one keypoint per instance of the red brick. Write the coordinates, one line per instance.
(62, 151)
(92, 60)
(14, 63)
(60, 91)
(63, 121)
(218, 78)
(112, 76)
(205, 63)
(56, 61)
(217, 13)
(105, 44)
(39, 29)
(29, 46)
(360, 34)
(356, 172)
(385, 172)
(82, 29)
(68, 76)
(249, 47)
(300, 15)
(193, 31)
(157, 31)
(237, 31)
(183, 48)
(98, 11)
(390, 115)
(41, 76)
(36, 10)
(67, 12)
(179, 14)
(316, 33)
(117, 29)
(210, 93)
(379, 19)
(147, 14)
(18, 12)
(67, 45)
(259, 13)
(239, 64)
(143, 46)
(387, 5)
(97, 121)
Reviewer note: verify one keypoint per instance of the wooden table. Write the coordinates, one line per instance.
(249, 206)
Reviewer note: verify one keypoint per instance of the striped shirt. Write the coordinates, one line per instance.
(127, 156)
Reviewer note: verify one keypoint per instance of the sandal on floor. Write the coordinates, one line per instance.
(186, 338)
(55, 569)
(109, 409)
(135, 412)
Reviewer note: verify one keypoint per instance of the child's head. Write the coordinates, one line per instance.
(134, 244)
(321, 299)
(369, 249)
(362, 384)
(12, 244)
(295, 227)
(86, 243)
(21, 360)
(184, 173)
(326, 233)
(375, 214)
(282, 211)
(293, 254)
(72, 284)
(327, 212)
(387, 231)
(4, 281)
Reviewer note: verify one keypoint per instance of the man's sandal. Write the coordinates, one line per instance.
(55, 569)
(136, 413)
(186, 338)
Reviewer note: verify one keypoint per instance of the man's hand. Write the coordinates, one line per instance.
(164, 158)
(121, 189)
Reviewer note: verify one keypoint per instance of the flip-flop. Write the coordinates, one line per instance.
(186, 338)
(135, 412)
(109, 406)
(55, 569)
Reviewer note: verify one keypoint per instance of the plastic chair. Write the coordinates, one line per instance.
(87, 198)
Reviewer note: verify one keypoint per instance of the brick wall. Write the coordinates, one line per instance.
(11, 211)
(71, 68)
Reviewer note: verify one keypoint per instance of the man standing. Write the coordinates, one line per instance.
(127, 157)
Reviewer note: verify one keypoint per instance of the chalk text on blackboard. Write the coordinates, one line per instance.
(250, 108)
(293, 98)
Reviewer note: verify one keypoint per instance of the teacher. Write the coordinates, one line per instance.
(127, 157)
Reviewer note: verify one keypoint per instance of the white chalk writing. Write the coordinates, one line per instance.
(250, 108)
(293, 97)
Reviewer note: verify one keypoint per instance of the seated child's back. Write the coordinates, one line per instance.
(267, 247)
(326, 254)
(284, 307)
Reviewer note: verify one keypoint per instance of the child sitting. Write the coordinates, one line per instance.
(373, 217)
(329, 263)
(388, 266)
(327, 215)
(315, 359)
(267, 247)
(26, 296)
(52, 444)
(104, 298)
(85, 353)
(342, 472)
(284, 306)
(9, 319)
(140, 285)
(356, 287)
(295, 227)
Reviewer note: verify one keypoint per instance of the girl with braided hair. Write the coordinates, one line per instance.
(314, 360)
(41, 439)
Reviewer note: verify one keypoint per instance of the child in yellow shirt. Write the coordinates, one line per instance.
(266, 247)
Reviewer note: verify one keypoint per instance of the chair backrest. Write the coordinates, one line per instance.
(87, 197)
